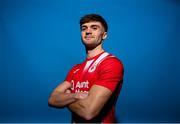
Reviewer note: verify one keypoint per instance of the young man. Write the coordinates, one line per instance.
(91, 88)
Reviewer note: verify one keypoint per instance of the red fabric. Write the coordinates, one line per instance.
(104, 70)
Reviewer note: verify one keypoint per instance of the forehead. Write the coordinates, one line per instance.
(92, 24)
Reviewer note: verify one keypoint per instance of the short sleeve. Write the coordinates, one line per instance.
(110, 73)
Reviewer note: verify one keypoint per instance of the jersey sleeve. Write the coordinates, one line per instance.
(110, 73)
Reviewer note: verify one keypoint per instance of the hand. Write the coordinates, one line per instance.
(68, 91)
(81, 95)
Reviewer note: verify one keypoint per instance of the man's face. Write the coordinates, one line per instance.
(92, 34)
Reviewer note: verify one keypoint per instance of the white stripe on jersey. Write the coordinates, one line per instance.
(100, 58)
(88, 63)
(93, 63)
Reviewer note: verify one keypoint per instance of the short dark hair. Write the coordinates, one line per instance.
(94, 17)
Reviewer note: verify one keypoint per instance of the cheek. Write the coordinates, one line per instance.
(99, 35)
(82, 35)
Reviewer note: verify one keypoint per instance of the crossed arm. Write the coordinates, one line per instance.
(61, 96)
(85, 105)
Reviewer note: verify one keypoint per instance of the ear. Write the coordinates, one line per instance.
(104, 35)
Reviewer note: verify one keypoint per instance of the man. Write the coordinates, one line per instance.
(91, 88)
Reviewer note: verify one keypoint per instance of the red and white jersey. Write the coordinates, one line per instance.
(104, 70)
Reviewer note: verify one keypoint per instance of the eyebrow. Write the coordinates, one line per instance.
(95, 26)
(90, 26)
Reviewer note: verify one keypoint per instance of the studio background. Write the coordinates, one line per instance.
(40, 42)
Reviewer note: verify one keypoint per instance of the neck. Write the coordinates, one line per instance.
(93, 52)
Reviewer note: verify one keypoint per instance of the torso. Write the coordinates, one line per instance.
(83, 76)
(86, 73)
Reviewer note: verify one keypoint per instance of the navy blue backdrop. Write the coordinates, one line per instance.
(40, 42)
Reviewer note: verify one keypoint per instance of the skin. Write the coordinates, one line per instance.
(87, 105)
(92, 35)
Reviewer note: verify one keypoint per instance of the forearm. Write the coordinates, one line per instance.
(61, 99)
(78, 108)
(90, 106)
(83, 108)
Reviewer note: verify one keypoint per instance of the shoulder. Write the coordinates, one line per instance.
(74, 68)
(111, 65)
(78, 65)
(113, 61)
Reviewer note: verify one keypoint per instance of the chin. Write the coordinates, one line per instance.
(90, 46)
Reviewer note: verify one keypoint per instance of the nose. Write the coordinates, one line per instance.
(88, 31)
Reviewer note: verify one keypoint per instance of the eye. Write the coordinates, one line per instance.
(83, 28)
(94, 28)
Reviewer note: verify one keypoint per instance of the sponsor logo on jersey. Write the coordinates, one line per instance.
(79, 86)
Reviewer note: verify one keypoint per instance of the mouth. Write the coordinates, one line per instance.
(88, 37)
